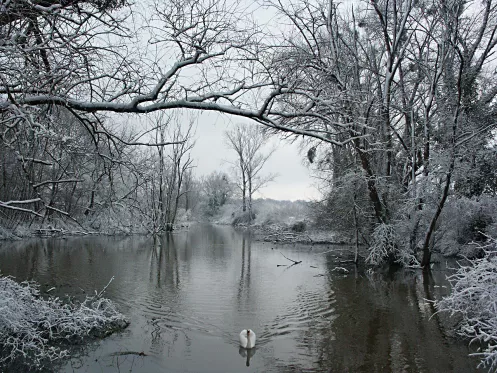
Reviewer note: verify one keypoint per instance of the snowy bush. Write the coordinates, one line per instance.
(474, 299)
(383, 246)
(466, 220)
(32, 329)
(387, 247)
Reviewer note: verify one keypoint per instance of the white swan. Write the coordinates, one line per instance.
(247, 338)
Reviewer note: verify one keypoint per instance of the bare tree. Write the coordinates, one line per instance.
(181, 164)
(248, 143)
(201, 55)
(87, 57)
(168, 170)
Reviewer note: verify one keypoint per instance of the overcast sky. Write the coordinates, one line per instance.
(211, 154)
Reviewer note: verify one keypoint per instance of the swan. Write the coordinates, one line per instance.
(247, 338)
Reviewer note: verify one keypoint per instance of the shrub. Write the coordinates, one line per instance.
(32, 329)
(383, 246)
(299, 227)
(474, 298)
(243, 218)
(466, 220)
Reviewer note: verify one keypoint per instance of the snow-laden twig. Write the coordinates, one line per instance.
(105, 288)
(32, 328)
(383, 245)
(474, 297)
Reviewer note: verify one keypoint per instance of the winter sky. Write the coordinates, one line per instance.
(293, 181)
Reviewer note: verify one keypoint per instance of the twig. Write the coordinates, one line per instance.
(294, 261)
(105, 288)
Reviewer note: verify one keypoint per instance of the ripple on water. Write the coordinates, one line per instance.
(310, 310)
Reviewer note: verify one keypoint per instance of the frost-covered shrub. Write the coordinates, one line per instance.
(383, 245)
(243, 218)
(299, 227)
(466, 220)
(474, 299)
(346, 206)
(33, 329)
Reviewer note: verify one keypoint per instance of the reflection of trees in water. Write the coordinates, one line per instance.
(164, 271)
(214, 241)
(243, 295)
(383, 325)
(164, 266)
(118, 361)
(173, 261)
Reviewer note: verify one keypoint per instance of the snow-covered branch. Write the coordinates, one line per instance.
(11, 205)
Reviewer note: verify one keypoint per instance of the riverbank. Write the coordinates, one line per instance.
(68, 230)
(294, 233)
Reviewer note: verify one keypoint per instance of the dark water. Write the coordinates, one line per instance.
(188, 296)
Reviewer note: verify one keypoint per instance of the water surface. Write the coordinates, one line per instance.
(190, 293)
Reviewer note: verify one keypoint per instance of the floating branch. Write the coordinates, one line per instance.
(294, 261)
(124, 353)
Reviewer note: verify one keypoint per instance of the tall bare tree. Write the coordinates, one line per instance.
(248, 144)
(169, 171)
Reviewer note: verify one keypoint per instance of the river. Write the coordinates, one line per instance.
(189, 294)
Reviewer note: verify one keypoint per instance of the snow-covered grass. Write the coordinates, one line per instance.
(474, 300)
(33, 329)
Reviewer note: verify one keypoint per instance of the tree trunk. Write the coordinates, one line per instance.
(92, 201)
(356, 231)
(379, 209)
(425, 263)
(244, 187)
(162, 211)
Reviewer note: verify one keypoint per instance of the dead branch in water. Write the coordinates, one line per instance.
(123, 353)
(295, 262)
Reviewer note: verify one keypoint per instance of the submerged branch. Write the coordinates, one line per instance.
(294, 261)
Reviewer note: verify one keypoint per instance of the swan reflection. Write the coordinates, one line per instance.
(247, 354)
